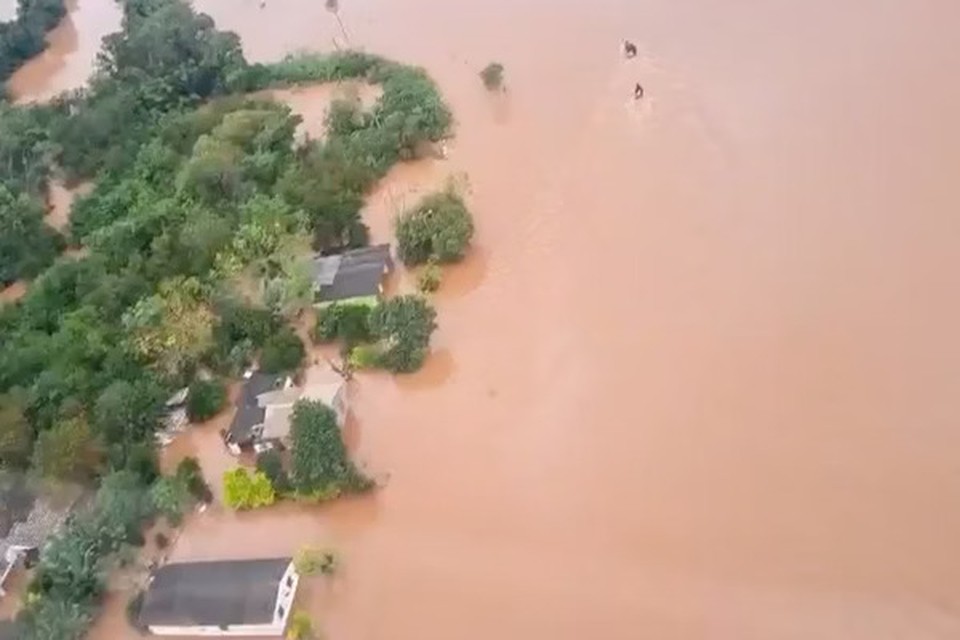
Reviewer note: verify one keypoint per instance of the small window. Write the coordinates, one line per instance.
(289, 581)
(280, 611)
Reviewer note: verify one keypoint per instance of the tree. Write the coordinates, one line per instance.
(205, 399)
(242, 490)
(271, 465)
(403, 326)
(190, 474)
(320, 465)
(27, 244)
(127, 413)
(68, 451)
(55, 619)
(439, 227)
(347, 322)
(16, 435)
(173, 327)
(283, 351)
(170, 497)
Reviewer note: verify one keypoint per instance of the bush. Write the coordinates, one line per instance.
(283, 351)
(439, 227)
(403, 326)
(311, 561)
(429, 279)
(205, 399)
(365, 356)
(301, 628)
(347, 322)
(242, 490)
(190, 474)
(270, 464)
(492, 76)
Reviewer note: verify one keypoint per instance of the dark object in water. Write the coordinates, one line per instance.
(629, 49)
(638, 91)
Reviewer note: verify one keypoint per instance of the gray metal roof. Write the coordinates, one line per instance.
(222, 592)
(358, 272)
(249, 412)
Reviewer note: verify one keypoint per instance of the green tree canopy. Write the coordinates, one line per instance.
(68, 451)
(320, 465)
(403, 326)
(439, 227)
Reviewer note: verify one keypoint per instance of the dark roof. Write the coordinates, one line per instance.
(249, 413)
(9, 630)
(353, 273)
(223, 592)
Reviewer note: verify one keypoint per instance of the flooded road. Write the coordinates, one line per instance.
(697, 379)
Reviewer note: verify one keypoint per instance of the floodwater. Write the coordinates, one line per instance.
(71, 52)
(698, 377)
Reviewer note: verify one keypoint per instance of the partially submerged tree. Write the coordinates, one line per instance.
(320, 466)
(403, 326)
(438, 227)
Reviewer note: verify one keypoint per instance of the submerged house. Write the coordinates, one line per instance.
(220, 598)
(266, 406)
(354, 276)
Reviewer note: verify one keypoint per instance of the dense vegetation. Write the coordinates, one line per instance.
(201, 208)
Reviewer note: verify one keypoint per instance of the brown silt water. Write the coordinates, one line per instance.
(697, 378)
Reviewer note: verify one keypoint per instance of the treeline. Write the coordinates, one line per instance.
(202, 205)
(24, 36)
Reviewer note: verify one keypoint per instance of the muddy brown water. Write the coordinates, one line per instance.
(698, 377)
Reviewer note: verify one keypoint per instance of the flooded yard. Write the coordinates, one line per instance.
(697, 377)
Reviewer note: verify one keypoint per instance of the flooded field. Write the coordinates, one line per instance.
(697, 379)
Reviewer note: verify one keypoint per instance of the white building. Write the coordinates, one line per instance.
(220, 598)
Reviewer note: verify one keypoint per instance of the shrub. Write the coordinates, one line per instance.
(301, 627)
(169, 495)
(429, 279)
(439, 227)
(403, 326)
(190, 474)
(365, 356)
(283, 351)
(492, 76)
(311, 561)
(270, 464)
(347, 322)
(242, 490)
(205, 400)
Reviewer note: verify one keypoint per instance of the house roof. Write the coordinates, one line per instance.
(249, 411)
(353, 273)
(222, 592)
